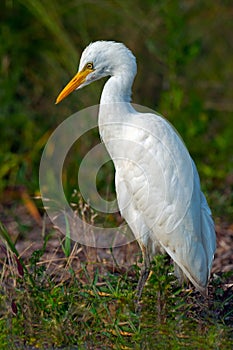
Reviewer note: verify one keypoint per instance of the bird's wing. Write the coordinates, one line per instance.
(154, 162)
(163, 185)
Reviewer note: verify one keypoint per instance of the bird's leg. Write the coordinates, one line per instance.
(144, 273)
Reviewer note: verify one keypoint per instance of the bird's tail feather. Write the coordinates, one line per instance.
(208, 230)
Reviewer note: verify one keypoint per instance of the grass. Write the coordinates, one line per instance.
(91, 308)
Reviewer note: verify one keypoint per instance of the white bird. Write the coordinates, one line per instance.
(157, 184)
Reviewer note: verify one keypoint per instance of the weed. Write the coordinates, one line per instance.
(96, 310)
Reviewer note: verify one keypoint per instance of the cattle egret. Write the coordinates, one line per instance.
(157, 183)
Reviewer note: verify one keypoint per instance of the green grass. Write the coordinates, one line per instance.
(92, 310)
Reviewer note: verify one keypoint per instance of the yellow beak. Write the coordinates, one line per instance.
(77, 80)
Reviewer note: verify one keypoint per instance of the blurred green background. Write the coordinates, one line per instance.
(184, 51)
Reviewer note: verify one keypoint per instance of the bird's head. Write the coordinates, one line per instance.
(98, 60)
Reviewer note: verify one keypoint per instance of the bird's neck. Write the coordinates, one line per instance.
(118, 88)
(115, 107)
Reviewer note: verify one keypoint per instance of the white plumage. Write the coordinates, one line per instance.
(157, 184)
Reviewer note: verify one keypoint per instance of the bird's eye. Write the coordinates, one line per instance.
(89, 65)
